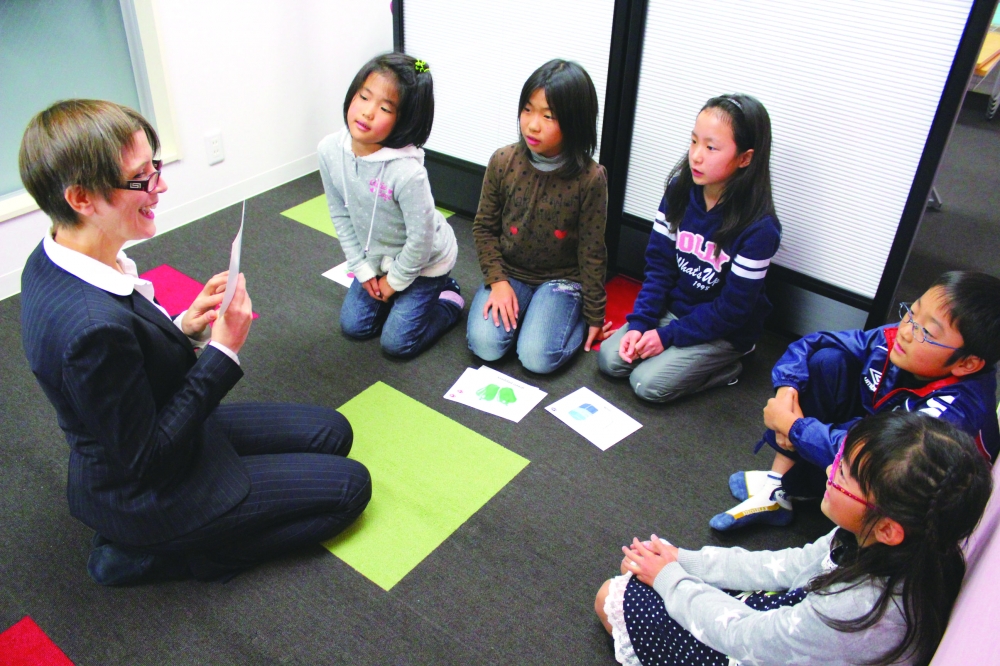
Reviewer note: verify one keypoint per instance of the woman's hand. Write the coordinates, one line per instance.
(385, 289)
(597, 334)
(231, 329)
(626, 349)
(646, 562)
(649, 344)
(503, 301)
(202, 311)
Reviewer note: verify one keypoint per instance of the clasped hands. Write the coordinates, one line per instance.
(231, 329)
(780, 413)
(640, 345)
(379, 289)
(503, 303)
(645, 559)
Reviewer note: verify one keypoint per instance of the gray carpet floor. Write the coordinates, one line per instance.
(514, 584)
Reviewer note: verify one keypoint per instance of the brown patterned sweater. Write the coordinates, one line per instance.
(536, 226)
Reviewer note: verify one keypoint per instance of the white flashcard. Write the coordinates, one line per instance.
(340, 274)
(234, 265)
(600, 422)
(495, 393)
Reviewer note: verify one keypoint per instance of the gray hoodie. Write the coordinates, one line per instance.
(691, 591)
(382, 208)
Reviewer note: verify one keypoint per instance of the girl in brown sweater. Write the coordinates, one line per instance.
(539, 230)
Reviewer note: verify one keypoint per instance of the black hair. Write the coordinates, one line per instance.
(973, 305)
(747, 195)
(929, 477)
(571, 96)
(415, 111)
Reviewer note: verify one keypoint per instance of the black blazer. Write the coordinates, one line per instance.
(147, 460)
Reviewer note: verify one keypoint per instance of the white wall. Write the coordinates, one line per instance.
(271, 76)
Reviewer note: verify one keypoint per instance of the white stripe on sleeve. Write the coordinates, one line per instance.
(751, 263)
(750, 275)
(661, 228)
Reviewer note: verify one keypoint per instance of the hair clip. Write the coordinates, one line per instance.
(421, 66)
(736, 103)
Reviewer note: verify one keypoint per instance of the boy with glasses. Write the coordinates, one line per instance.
(940, 360)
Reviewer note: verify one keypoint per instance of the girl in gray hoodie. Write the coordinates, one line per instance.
(397, 244)
(905, 490)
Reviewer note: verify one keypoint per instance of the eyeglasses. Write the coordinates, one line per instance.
(833, 473)
(920, 333)
(147, 184)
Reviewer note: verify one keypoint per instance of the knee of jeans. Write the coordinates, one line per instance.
(400, 347)
(538, 360)
(484, 343)
(352, 327)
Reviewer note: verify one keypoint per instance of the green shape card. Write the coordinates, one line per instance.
(429, 474)
(314, 214)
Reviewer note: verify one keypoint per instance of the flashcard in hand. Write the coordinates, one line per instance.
(495, 393)
(340, 274)
(600, 422)
(234, 265)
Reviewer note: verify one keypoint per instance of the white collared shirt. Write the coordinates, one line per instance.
(123, 283)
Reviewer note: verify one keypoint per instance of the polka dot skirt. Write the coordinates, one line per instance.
(657, 638)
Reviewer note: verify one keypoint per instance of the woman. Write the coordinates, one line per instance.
(174, 483)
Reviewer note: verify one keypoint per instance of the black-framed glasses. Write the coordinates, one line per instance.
(920, 333)
(147, 184)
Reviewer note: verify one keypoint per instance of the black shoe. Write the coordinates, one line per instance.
(114, 565)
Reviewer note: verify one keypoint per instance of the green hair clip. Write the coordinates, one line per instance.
(421, 66)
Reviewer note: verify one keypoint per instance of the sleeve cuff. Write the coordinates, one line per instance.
(690, 561)
(396, 283)
(666, 335)
(225, 350)
(363, 272)
(197, 341)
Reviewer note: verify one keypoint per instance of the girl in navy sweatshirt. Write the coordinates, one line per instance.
(702, 303)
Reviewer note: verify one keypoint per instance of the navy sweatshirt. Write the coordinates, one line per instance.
(712, 297)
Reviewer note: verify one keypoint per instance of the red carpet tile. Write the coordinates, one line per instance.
(25, 644)
(621, 298)
(174, 290)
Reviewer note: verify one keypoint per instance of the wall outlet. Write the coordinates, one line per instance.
(213, 147)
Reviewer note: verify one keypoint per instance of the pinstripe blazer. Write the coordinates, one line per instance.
(147, 462)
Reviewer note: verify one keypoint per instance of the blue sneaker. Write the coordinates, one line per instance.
(772, 509)
(744, 485)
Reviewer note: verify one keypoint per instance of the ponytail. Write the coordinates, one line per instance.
(930, 478)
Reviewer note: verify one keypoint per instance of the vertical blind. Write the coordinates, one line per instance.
(481, 53)
(852, 88)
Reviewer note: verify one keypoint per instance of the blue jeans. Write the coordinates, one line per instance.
(549, 331)
(410, 322)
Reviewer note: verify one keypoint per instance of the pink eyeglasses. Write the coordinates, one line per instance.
(833, 474)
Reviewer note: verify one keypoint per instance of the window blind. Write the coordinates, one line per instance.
(481, 53)
(851, 87)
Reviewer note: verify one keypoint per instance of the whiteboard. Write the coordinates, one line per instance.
(481, 53)
(852, 88)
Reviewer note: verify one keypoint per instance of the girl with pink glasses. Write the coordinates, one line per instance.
(905, 491)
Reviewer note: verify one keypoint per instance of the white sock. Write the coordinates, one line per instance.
(761, 482)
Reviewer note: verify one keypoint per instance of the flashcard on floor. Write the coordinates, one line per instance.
(495, 393)
(600, 422)
(340, 274)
